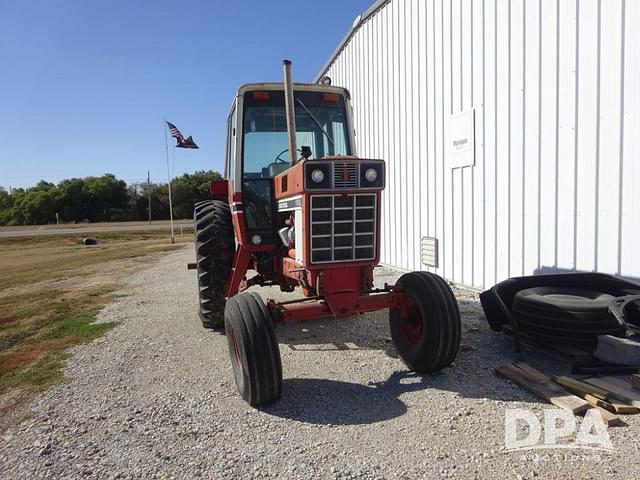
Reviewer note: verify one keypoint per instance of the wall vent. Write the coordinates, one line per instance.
(429, 251)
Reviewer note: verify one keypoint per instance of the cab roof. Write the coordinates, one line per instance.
(315, 87)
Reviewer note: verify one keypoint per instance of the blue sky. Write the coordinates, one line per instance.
(84, 84)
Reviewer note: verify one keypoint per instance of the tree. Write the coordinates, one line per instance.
(74, 200)
(138, 208)
(5, 199)
(189, 189)
(108, 198)
(38, 206)
(103, 198)
(6, 210)
(96, 199)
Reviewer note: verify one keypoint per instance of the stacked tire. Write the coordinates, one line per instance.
(565, 315)
(215, 249)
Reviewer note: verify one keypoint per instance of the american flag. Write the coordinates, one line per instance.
(175, 133)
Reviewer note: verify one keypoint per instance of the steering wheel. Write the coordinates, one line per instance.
(281, 160)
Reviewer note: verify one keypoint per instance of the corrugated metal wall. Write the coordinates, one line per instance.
(555, 85)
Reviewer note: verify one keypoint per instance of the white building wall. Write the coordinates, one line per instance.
(555, 88)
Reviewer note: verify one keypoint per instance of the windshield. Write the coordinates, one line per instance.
(321, 125)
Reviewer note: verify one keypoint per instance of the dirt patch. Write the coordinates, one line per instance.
(32, 353)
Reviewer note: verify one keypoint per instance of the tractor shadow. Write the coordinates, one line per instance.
(358, 332)
(334, 402)
(330, 402)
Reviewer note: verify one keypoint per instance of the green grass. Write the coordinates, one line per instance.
(80, 326)
(33, 338)
(46, 371)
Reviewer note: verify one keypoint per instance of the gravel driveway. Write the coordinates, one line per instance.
(155, 398)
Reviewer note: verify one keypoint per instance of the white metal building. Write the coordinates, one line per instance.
(511, 131)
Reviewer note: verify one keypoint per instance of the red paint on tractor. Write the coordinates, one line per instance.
(238, 271)
(219, 189)
(312, 309)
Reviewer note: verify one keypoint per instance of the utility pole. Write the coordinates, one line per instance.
(149, 193)
(166, 148)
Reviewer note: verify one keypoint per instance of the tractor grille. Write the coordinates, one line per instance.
(345, 175)
(343, 228)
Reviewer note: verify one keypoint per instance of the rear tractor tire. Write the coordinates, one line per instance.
(427, 334)
(253, 348)
(215, 249)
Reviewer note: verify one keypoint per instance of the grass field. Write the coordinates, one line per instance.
(50, 291)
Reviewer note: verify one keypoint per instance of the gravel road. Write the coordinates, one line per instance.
(155, 398)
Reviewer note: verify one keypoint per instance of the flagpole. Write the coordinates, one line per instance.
(149, 193)
(166, 148)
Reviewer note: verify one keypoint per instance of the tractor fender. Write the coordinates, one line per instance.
(219, 189)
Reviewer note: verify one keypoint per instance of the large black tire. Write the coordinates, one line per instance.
(428, 337)
(215, 249)
(253, 348)
(567, 315)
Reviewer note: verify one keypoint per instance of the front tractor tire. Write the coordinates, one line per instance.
(215, 249)
(426, 332)
(253, 348)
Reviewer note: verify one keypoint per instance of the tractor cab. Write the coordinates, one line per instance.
(258, 145)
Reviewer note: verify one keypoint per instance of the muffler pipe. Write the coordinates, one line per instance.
(291, 112)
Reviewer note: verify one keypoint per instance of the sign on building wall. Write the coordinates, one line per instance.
(461, 140)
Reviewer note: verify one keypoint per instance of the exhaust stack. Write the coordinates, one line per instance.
(291, 112)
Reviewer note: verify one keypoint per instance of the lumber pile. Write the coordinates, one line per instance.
(537, 382)
(611, 395)
(596, 396)
(618, 388)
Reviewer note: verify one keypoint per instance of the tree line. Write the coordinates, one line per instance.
(102, 199)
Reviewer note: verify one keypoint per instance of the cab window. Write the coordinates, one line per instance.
(321, 125)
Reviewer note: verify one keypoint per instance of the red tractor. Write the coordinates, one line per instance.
(306, 218)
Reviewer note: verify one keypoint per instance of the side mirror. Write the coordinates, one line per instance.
(305, 152)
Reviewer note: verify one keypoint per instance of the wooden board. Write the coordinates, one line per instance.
(618, 388)
(624, 408)
(577, 386)
(586, 391)
(541, 385)
(596, 402)
(591, 391)
(606, 410)
(611, 405)
(610, 419)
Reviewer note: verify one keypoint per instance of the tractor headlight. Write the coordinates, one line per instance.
(256, 239)
(371, 174)
(317, 175)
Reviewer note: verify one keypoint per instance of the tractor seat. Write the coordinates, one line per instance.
(275, 168)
